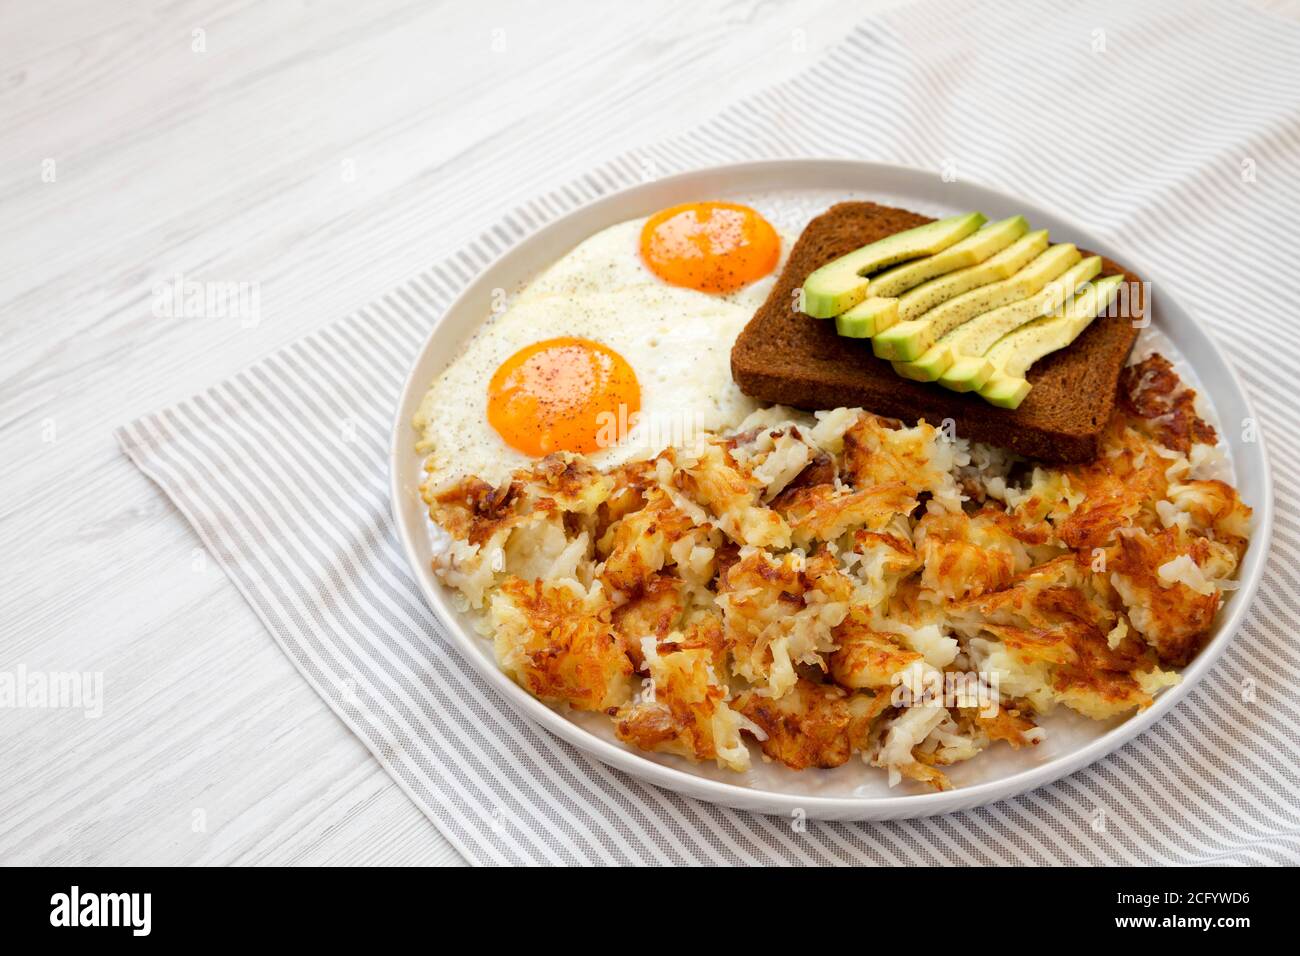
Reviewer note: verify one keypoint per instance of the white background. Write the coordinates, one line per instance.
(300, 149)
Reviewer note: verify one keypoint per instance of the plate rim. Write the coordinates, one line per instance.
(907, 805)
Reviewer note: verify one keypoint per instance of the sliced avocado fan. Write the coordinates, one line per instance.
(908, 341)
(972, 250)
(842, 283)
(881, 308)
(1013, 354)
(918, 301)
(967, 343)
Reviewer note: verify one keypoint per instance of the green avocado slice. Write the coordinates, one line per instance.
(933, 362)
(1005, 391)
(841, 284)
(1004, 265)
(917, 371)
(971, 251)
(869, 317)
(970, 341)
(966, 373)
(906, 341)
(1015, 352)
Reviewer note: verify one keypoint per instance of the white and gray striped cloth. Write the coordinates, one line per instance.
(1174, 125)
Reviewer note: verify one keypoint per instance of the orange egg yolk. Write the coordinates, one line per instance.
(714, 247)
(564, 394)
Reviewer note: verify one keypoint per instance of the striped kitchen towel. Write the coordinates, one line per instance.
(1174, 125)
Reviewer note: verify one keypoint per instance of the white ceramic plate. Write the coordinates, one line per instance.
(853, 791)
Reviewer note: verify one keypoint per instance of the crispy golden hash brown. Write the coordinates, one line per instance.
(785, 583)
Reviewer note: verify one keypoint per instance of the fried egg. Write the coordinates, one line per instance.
(622, 347)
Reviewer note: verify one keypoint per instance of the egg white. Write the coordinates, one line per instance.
(677, 341)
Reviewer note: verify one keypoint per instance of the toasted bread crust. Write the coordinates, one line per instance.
(785, 357)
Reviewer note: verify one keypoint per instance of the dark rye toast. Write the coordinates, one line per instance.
(786, 357)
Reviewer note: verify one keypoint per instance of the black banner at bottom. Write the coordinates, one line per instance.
(133, 906)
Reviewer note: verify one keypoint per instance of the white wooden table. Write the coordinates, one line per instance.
(298, 146)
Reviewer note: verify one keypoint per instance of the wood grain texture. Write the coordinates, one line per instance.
(314, 149)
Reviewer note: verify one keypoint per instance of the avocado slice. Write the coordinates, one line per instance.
(869, 317)
(1008, 262)
(1015, 352)
(906, 341)
(971, 251)
(970, 341)
(967, 373)
(929, 366)
(1005, 391)
(841, 284)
